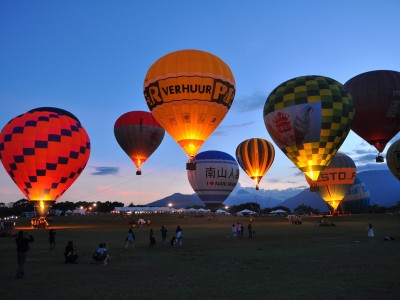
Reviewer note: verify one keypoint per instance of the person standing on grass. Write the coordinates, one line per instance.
(371, 232)
(250, 229)
(130, 239)
(239, 234)
(164, 232)
(22, 241)
(152, 239)
(52, 238)
(234, 231)
(179, 236)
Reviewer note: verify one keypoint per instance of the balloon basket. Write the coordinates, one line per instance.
(191, 166)
(138, 172)
(380, 159)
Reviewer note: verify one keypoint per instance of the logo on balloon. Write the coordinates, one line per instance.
(166, 90)
(295, 124)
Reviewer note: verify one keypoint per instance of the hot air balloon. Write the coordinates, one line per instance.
(214, 178)
(189, 92)
(334, 182)
(255, 156)
(44, 151)
(309, 118)
(357, 198)
(393, 159)
(139, 135)
(376, 97)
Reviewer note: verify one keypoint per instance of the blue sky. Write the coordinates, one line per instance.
(91, 58)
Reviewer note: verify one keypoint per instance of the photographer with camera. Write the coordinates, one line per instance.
(23, 239)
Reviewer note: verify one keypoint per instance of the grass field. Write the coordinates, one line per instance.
(282, 261)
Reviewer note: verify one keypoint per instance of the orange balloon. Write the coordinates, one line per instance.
(189, 92)
(44, 151)
(334, 182)
(255, 156)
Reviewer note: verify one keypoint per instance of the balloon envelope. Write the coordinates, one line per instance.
(334, 182)
(357, 198)
(44, 151)
(139, 135)
(393, 159)
(189, 92)
(376, 96)
(255, 156)
(309, 118)
(215, 177)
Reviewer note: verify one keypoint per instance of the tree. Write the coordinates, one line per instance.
(304, 209)
(280, 207)
(250, 205)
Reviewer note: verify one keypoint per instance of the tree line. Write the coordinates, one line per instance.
(24, 205)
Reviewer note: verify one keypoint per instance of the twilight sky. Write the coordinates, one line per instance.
(90, 57)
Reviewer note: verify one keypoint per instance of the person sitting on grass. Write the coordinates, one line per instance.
(101, 254)
(70, 253)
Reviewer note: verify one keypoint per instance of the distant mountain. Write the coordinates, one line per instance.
(383, 186)
(265, 198)
(384, 190)
(244, 196)
(307, 198)
(178, 201)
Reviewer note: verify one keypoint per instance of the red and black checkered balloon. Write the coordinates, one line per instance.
(44, 151)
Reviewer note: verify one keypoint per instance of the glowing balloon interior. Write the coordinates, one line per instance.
(189, 92)
(139, 135)
(334, 182)
(215, 177)
(309, 118)
(255, 156)
(44, 151)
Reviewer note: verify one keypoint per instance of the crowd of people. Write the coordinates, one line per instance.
(101, 254)
(237, 230)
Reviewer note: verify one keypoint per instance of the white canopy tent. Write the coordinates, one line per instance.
(246, 212)
(278, 211)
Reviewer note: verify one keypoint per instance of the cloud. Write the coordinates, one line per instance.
(222, 130)
(363, 151)
(372, 167)
(105, 171)
(250, 103)
(365, 159)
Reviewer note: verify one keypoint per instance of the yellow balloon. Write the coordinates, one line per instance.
(309, 117)
(189, 92)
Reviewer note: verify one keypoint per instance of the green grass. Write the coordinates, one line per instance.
(282, 261)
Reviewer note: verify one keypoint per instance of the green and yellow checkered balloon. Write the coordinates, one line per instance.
(308, 118)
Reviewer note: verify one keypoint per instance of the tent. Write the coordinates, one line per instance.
(246, 212)
(279, 211)
(222, 212)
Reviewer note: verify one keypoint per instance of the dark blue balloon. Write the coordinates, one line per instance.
(357, 199)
